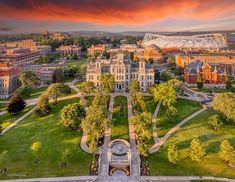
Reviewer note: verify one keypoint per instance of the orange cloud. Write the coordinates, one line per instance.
(116, 11)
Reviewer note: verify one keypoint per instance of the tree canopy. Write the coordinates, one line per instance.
(16, 104)
(28, 78)
(107, 82)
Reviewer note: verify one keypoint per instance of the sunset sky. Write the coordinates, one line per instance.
(116, 15)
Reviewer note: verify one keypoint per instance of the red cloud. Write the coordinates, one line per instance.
(115, 11)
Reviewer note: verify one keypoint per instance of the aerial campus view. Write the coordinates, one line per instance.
(117, 91)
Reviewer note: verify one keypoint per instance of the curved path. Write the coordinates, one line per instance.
(154, 121)
(162, 140)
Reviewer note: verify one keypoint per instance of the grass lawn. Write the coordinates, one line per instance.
(54, 139)
(7, 118)
(2, 107)
(150, 105)
(78, 63)
(210, 165)
(184, 107)
(207, 90)
(120, 119)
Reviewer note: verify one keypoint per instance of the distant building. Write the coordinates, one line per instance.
(69, 50)
(96, 49)
(17, 56)
(44, 49)
(29, 43)
(210, 75)
(57, 36)
(124, 70)
(9, 81)
(45, 72)
(224, 60)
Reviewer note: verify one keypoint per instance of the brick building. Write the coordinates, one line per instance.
(210, 75)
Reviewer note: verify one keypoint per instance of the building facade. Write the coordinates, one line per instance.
(225, 61)
(123, 70)
(96, 49)
(9, 81)
(69, 50)
(210, 75)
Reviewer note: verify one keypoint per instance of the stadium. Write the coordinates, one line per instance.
(208, 42)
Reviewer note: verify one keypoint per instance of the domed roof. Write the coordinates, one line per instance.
(153, 47)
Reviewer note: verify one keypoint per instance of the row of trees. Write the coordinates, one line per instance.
(197, 151)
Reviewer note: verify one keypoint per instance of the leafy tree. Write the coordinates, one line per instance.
(72, 70)
(173, 154)
(165, 76)
(107, 82)
(140, 101)
(4, 159)
(229, 85)
(43, 60)
(43, 107)
(196, 150)
(58, 76)
(226, 151)
(171, 113)
(36, 147)
(134, 87)
(55, 90)
(143, 148)
(87, 87)
(224, 104)
(199, 85)
(177, 85)
(199, 81)
(215, 122)
(16, 104)
(171, 60)
(166, 93)
(23, 91)
(28, 78)
(65, 157)
(83, 103)
(71, 116)
(94, 123)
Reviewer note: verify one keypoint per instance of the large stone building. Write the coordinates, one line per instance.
(96, 49)
(19, 56)
(123, 70)
(69, 50)
(210, 75)
(8, 80)
(224, 60)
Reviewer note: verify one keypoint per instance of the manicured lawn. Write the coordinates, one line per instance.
(2, 107)
(149, 103)
(210, 165)
(78, 63)
(36, 92)
(184, 109)
(7, 118)
(54, 139)
(120, 119)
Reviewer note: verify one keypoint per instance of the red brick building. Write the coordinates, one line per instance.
(210, 75)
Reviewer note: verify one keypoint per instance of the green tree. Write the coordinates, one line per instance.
(173, 154)
(4, 159)
(134, 87)
(16, 104)
(215, 122)
(28, 78)
(87, 87)
(166, 93)
(55, 90)
(171, 60)
(165, 76)
(72, 70)
(24, 91)
(36, 147)
(42, 107)
(107, 82)
(224, 104)
(196, 150)
(71, 116)
(226, 151)
(58, 76)
(199, 85)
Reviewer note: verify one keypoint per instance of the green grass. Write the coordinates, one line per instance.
(78, 63)
(54, 139)
(207, 90)
(149, 103)
(210, 165)
(120, 119)
(184, 109)
(7, 118)
(2, 107)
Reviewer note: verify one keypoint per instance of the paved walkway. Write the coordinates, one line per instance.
(104, 164)
(157, 145)
(3, 112)
(155, 136)
(17, 121)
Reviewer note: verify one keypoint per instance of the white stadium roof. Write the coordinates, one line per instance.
(204, 41)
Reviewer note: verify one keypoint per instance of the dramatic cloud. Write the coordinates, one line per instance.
(129, 12)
